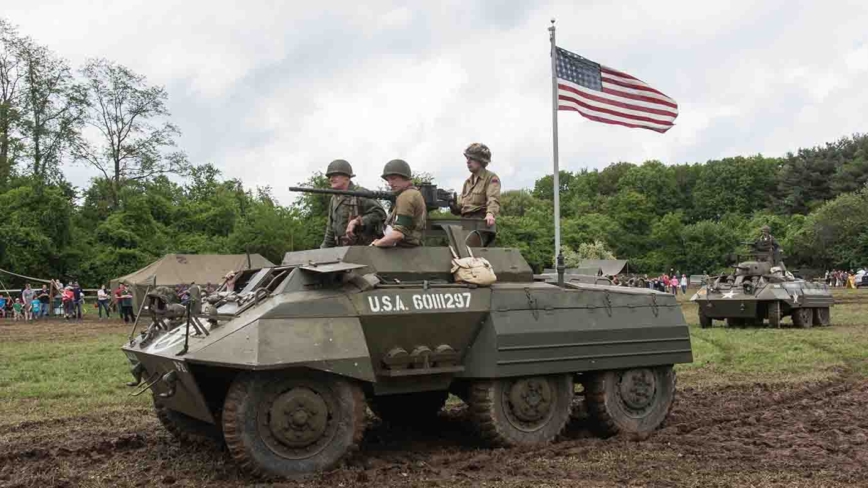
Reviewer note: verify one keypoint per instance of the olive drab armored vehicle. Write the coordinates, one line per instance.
(283, 365)
(761, 289)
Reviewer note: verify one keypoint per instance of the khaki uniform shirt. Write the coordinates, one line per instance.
(479, 196)
(408, 217)
(342, 209)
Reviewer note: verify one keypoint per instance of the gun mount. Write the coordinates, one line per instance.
(435, 198)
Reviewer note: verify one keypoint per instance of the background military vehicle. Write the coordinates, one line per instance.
(292, 358)
(762, 289)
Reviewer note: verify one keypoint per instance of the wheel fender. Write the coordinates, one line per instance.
(334, 345)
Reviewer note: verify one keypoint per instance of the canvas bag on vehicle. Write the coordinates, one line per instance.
(472, 270)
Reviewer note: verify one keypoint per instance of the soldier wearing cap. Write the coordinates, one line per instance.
(352, 221)
(480, 196)
(407, 219)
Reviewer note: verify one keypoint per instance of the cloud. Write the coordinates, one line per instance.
(271, 91)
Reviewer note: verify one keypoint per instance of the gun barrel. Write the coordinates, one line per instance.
(378, 195)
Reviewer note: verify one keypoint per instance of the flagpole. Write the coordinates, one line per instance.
(556, 178)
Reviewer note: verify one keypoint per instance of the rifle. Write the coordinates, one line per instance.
(434, 197)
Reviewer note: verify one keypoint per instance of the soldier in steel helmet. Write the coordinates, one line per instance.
(480, 196)
(352, 220)
(767, 242)
(407, 219)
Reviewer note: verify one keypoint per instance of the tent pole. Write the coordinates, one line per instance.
(141, 307)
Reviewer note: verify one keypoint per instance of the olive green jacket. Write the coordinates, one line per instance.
(480, 195)
(342, 209)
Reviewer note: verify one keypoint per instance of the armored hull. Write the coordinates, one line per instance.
(283, 368)
(759, 301)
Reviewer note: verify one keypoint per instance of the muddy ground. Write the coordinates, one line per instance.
(759, 435)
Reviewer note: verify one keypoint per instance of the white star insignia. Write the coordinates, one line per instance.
(729, 294)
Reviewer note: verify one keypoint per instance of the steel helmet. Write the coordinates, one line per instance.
(397, 167)
(479, 152)
(340, 167)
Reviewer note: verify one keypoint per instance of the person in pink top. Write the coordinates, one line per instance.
(673, 284)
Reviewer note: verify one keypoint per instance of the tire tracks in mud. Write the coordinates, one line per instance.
(843, 381)
(118, 445)
(727, 350)
(849, 370)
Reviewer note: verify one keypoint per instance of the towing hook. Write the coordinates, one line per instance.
(171, 380)
(137, 371)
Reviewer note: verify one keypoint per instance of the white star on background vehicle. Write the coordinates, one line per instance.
(795, 298)
(729, 294)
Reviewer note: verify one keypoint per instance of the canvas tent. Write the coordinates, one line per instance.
(176, 269)
(589, 271)
(609, 267)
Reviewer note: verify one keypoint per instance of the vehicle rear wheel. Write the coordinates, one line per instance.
(409, 408)
(822, 317)
(185, 428)
(803, 317)
(705, 321)
(521, 411)
(633, 401)
(774, 315)
(292, 423)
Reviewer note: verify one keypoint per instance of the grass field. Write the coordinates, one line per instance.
(757, 407)
(58, 369)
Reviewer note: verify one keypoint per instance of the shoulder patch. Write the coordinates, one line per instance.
(404, 220)
(495, 180)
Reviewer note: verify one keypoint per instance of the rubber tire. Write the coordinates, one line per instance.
(822, 317)
(608, 416)
(705, 322)
(245, 443)
(490, 419)
(803, 317)
(187, 429)
(408, 408)
(774, 315)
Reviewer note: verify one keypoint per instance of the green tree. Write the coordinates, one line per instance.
(137, 142)
(836, 234)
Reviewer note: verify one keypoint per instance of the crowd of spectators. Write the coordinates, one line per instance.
(844, 279)
(672, 282)
(69, 301)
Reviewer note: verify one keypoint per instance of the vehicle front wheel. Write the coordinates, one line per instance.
(822, 317)
(774, 315)
(521, 411)
(803, 317)
(632, 401)
(705, 321)
(292, 423)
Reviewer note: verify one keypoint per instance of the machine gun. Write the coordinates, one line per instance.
(434, 197)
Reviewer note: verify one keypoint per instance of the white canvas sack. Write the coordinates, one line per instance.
(472, 270)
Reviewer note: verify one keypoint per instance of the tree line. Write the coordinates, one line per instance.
(149, 199)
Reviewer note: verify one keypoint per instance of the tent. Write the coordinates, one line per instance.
(610, 267)
(589, 271)
(176, 269)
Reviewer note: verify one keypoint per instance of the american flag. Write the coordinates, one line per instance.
(610, 96)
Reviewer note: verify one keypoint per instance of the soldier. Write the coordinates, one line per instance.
(407, 219)
(480, 196)
(767, 243)
(353, 221)
(766, 240)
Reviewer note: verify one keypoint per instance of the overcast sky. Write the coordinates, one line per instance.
(272, 91)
